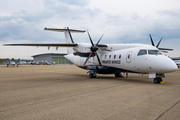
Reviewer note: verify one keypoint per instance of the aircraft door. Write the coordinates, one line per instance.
(128, 57)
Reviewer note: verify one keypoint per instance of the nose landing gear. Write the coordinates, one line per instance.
(158, 79)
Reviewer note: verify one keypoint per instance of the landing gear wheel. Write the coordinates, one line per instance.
(91, 75)
(157, 80)
(118, 74)
(160, 80)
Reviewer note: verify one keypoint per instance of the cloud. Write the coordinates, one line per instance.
(121, 21)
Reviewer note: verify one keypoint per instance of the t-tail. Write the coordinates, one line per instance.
(68, 36)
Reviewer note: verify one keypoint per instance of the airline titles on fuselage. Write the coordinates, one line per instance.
(111, 61)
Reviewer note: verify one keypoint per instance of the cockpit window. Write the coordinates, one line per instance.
(142, 52)
(154, 52)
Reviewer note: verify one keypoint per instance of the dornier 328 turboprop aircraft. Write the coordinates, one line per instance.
(114, 58)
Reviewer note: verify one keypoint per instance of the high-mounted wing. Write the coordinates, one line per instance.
(62, 30)
(165, 49)
(46, 45)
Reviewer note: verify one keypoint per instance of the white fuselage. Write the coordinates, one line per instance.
(125, 56)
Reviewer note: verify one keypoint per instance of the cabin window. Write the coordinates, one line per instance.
(128, 56)
(105, 56)
(114, 56)
(119, 56)
(142, 52)
(109, 56)
(154, 52)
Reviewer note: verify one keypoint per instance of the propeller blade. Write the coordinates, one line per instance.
(151, 40)
(99, 39)
(159, 43)
(98, 59)
(87, 59)
(90, 38)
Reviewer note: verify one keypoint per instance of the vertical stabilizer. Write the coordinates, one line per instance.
(68, 38)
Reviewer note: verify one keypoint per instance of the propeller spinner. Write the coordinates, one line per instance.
(93, 49)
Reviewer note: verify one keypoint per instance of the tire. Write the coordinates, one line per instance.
(117, 75)
(91, 75)
(157, 80)
(160, 80)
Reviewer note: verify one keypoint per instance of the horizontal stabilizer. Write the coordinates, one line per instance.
(46, 45)
(62, 30)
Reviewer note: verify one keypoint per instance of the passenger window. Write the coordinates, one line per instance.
(119, 56)
(105, 56)
(109, 56)
(114, 56)
(154, 52)
(142, 52)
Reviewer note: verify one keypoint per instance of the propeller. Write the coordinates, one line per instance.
(157, 46)
(93, 49)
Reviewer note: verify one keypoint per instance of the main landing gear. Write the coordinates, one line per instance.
(92, 74)
(118, 74)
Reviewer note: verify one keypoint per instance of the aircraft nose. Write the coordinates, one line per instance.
(171, 66)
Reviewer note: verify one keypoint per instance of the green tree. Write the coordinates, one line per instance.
(12, 59)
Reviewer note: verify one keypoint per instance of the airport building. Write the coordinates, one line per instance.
(58, 58)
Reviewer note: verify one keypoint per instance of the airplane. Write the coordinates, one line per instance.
(113, 58)
(176, 60)
(13, 63)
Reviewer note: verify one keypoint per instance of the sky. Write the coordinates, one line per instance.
(121, 21)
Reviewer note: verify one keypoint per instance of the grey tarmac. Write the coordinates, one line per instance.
(65, 92)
